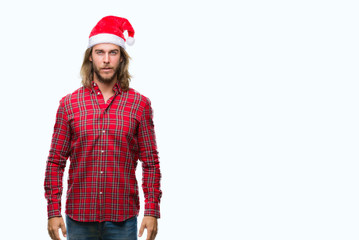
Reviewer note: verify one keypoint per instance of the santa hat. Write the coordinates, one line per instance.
(110, 30)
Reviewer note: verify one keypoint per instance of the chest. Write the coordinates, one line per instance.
(117, 120)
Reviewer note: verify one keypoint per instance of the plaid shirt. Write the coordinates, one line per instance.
(104, 142)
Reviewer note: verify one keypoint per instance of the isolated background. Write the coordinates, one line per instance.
(255, 103)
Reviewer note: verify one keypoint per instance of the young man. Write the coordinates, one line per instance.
(104, 127)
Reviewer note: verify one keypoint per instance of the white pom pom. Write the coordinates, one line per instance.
(130, 41)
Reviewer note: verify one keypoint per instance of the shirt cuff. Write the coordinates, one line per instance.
(152, 209)
(53, 210)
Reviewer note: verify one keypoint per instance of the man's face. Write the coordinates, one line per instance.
(106, 58)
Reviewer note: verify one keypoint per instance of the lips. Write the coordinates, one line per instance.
(106, 69)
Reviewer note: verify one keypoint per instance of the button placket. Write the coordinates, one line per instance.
(101, 152)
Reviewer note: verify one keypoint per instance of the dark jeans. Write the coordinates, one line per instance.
(126, 230)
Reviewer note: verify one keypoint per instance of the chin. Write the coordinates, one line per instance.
(106, 80)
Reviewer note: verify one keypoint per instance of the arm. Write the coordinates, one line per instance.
(150, 170)
(150, 163)
(56, 162)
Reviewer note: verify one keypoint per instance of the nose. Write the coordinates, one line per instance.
(106, 58)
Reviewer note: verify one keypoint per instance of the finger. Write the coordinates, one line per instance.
(50, 234)
(149, 234)
(55, 234)
(142, 228)
(63, 228)
(49, 231)
(154, 234)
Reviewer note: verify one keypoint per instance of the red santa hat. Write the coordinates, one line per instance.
(110, 30)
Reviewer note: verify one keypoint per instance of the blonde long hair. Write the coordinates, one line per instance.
(123, 76)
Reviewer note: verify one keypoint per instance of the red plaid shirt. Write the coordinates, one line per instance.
(104, 142)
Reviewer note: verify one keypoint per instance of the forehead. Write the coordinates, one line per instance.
(106, 47)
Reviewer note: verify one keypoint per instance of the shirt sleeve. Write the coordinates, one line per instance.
(151, 174)
(56, 162)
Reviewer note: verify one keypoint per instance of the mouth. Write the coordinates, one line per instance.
(106, 69)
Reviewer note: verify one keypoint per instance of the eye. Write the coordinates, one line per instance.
(113, 52)
(99, 52)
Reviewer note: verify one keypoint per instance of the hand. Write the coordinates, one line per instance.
(53, 225)
(150, 223)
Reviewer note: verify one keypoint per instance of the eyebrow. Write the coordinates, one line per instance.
(112, 50)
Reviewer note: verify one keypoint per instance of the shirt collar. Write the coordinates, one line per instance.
(116, 88)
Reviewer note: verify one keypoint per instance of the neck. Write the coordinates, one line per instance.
(105, 88)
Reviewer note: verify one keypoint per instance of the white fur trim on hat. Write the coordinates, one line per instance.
(106, 38)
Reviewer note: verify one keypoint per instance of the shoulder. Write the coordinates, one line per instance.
(71, 100)
(138, 97)
(138, 101)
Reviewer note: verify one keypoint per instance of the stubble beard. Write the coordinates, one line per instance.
(109, 79)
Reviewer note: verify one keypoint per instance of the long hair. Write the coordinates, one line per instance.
(123, 76)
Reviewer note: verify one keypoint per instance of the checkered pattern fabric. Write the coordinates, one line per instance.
(103, 142)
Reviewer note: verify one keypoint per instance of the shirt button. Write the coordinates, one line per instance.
(100, 192)
(103, 131)
(98, 93)
(102, 151)
(101, 172)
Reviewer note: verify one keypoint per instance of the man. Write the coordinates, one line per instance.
(104, 127)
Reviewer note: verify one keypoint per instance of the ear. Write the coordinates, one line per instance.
(90, 58)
